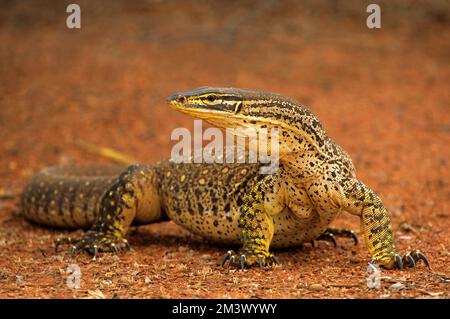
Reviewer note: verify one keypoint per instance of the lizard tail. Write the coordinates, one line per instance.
(67, 196)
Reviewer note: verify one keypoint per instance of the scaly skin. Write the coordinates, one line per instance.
(226, 203)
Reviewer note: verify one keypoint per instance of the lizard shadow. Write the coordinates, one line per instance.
(141, 236)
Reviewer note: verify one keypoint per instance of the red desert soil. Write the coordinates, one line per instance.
(382, 94)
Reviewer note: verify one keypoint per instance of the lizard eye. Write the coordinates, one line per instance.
(211, 98)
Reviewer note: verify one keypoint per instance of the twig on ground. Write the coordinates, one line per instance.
(343, 286)
(6, 194)
(106, 152)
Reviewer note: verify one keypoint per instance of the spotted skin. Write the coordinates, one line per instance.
(67, 197)
(218, 191)
(225, 203)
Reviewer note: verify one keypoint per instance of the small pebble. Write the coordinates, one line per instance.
(397, 286)
(107, 282)
(317, 287)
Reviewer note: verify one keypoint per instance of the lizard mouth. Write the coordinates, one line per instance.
(176, 99)
(219, 116)
(180, 103)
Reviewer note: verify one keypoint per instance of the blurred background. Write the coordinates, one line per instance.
(383, 94)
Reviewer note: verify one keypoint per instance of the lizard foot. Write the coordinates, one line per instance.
(348, 233)
(246, 259)
(326, 237)
(93, 242)
(332, 233)
(396, 261)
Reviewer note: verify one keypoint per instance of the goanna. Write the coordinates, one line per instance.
(226, 203)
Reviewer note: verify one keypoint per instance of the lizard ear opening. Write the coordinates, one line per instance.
(238, 107)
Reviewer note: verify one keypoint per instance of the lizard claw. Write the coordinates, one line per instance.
(395, 260)
(418, 255)
(93, 242)
(331, 233)
(260, 263)
(95, 252)
(246, 259)
(74, 251)
(327, 236)
(242, 261)
(231, 261)
(410, 260)
(398, 261)
(227, 257)
(354, 237)
(275, 260)
(62, 241)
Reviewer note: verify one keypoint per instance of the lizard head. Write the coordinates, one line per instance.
(230, 107)
(250, 109)
(222, 107)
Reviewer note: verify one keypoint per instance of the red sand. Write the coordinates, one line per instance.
(383, 95)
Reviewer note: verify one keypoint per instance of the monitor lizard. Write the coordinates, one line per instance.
(227, 203)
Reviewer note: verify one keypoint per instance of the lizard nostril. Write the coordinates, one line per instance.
(181, 99)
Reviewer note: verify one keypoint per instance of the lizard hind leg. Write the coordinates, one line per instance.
(133, 197)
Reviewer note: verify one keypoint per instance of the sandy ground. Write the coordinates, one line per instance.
(382, 94)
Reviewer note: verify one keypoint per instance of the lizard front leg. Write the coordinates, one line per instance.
(256, 225)
(117, 210)
(376, 226)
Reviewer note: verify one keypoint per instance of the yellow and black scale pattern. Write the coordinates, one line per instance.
(225, 203)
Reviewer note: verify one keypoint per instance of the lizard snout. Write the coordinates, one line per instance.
(176, 98)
